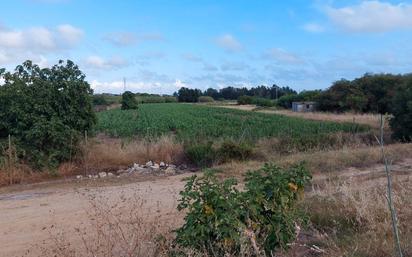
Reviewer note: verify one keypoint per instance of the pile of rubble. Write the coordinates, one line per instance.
(150, 168)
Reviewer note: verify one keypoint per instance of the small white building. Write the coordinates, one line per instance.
(303, 106)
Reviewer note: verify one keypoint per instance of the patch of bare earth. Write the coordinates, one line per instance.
(112, 218)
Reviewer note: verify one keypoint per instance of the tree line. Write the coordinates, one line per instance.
(232, 93)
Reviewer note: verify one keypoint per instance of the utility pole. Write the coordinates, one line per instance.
(124, 84)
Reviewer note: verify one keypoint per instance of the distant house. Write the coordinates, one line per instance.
(304, 106)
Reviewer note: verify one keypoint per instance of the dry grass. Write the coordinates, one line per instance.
(355, 218)
(366, 119)
(109, 153)
(100, 154)
(125, 226)
(325, 161)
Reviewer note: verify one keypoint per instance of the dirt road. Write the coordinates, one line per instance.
(26, 216)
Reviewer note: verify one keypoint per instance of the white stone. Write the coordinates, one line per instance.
(162, 164)
(79, 176)
(149, 163)
(170, 171)
(109, 174)
(102, 174)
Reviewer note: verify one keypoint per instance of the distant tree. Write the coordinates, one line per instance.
(378, 91)
(212, 93)
(230, 93)
(188, 95)
(401, 123)
(245, 99)
(129, 101)
(205, 99)
(99, 100)
(45, 111)
(343, 95)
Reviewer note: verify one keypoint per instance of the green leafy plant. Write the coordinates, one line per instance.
(129, 101)
(201, 154)
(45, 111)
(231, 150)
(221, 219)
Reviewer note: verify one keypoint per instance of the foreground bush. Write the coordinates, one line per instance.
(221, 219)
(45, 111)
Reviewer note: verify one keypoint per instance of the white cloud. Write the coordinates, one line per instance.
(122, 39)
(97, 62)
(36, 43)
(157, 87)
(70, 34)
(313, 27)
(372, 16)
(191, 57)
(234, 66)
(229, 43)
(282, 56)
(178, 84)
(40, 38)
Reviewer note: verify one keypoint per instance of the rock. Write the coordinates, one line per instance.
(170, 171)
(122, 171)
(109, 174)
(149, 163)
(102, 174)
(141, 170)
(182, 167)
(172, 166)
(95, 176)
(79, 176)
(162, 164)
(89, 176)
(155, 166)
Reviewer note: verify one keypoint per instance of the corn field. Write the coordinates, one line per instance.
(194, 122)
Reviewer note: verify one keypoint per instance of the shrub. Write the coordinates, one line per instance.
(220, 219)
(45, 111)
(201, 154)
(129, 101)
(401, 123)
(170, 99)
(230, 150)
(99, 100)
(264, 102)
(245, 99)
(205, 99)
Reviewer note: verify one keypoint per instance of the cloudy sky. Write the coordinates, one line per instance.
(161, 45)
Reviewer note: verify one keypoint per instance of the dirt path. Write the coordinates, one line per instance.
(26, 216)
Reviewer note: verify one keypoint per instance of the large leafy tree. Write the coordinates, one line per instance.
(45, 111)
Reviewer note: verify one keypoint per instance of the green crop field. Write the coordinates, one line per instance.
(192, 122)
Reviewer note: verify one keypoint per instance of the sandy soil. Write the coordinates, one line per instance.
(28, 212)
(26, 216)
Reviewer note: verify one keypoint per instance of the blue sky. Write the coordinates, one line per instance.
(159, 45)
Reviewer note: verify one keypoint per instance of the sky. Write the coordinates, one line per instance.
(158, 46)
